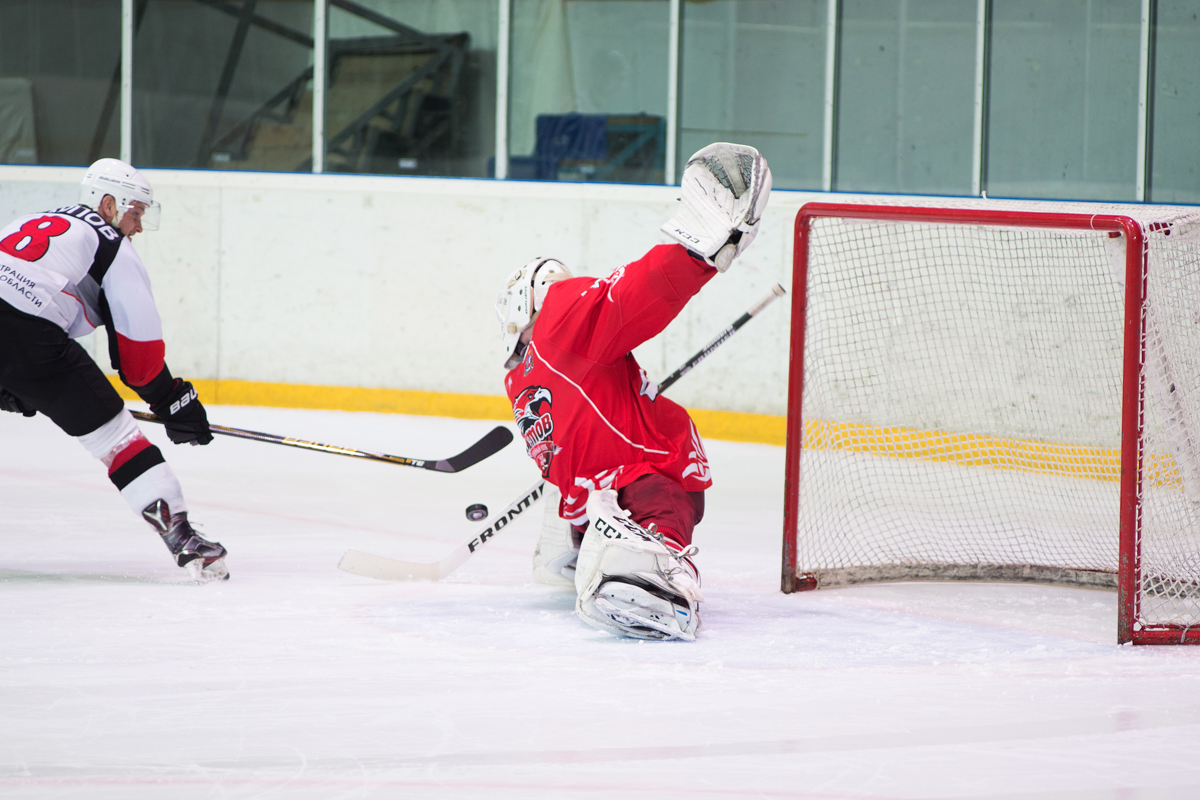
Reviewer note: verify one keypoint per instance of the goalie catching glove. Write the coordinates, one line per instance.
(725, 191)
(630, 582)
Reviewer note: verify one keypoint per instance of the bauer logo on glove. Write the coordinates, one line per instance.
(183, 401)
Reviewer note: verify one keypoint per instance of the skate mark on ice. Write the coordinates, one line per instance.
(38, 576)
(742, 630)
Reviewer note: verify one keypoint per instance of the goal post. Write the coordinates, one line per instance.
(998, 391)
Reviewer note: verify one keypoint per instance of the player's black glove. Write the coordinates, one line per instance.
(10, 402)
(183, 415)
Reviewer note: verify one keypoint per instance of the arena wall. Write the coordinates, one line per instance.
(377, 293)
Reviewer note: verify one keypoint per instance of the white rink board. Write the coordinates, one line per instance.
(390, 282)
(296, 680)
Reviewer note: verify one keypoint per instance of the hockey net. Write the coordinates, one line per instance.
(999, 391)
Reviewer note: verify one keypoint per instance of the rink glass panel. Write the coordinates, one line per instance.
(736, 54)
(906, 96)
(412, 88)
(59, 81)
(588, 90)
(962, 413)
(1175, 177)
(223, 86)
(1062, 99)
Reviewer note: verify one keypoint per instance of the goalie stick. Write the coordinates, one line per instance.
(776, 291)
(391, 569)
(493, 442)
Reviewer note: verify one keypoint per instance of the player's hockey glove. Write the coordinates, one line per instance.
(10, 402)
(183, 415)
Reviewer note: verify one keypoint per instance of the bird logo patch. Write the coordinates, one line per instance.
(533, 413)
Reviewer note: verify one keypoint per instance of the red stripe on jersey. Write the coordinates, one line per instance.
(83, 306)
(140, 361)
(135, 446)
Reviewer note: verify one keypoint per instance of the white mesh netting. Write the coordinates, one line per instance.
(962, 404)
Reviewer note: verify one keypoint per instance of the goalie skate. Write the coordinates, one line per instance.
(203, 560)
(632, 583)
(644, 611)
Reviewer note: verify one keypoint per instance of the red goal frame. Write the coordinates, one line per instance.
(1132, 383)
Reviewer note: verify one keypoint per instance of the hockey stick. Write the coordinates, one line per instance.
(392, 569)
(493, 442)
(776, 291)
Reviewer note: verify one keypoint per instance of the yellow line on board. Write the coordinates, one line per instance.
(729, 425)
(1049, 458)
(736, 426)
(344, 398)
(967, 449)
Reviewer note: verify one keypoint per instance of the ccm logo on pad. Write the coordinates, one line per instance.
(682, 234)
(609, 531)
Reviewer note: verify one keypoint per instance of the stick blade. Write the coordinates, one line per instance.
(387, 569)
(496, 440)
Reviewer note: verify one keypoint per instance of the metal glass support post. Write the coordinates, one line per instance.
(1145, 101)
(127, 81)
(828, 178)
(674, 32)
(982, 35)
(319, 74)
(503, 48)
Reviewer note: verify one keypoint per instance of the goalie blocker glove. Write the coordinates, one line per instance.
(557, 549)
(725, 191)
(630, 582)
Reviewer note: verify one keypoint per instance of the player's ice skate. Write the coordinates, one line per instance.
(632, 583)
(204, 560)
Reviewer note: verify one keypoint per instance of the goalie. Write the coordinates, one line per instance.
(628, 467)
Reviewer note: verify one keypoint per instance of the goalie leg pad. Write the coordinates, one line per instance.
(630, 582)
(557, 549)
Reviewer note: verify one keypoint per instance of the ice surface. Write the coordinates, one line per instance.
(293, 679)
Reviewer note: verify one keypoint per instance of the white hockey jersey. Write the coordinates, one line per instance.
(70, 268)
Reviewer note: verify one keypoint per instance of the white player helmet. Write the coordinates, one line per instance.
(521, 299)
(111, 176)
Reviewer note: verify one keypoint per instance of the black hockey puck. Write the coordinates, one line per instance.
(476, 512)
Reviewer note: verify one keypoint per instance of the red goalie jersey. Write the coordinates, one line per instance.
(590, 415)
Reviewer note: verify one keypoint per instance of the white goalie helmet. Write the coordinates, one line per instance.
(725, 189)
(521, 299)
(111, 176)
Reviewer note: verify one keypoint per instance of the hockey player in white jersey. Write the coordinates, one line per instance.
(63, 273)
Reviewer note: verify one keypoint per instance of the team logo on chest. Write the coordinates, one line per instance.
(535, 420)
